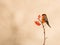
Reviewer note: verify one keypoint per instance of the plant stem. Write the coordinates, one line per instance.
(44, 31)
(44, 35)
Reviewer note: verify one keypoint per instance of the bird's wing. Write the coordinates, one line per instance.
(46, 20)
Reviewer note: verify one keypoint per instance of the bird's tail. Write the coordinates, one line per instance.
(48, 24)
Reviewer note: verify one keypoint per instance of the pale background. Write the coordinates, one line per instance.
(17, 25)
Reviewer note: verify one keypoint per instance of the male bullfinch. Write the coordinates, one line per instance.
(45, 19)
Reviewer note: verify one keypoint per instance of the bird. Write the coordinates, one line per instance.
(45, 20)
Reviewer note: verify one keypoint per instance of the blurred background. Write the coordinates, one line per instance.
(17, 25)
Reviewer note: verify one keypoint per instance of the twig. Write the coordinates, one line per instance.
(44, 31)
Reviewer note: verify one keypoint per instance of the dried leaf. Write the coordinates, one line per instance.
(39, 16)
(37, 23)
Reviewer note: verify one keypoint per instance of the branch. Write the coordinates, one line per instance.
(44, 31)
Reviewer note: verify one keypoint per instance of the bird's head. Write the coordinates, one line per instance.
(43, 14)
